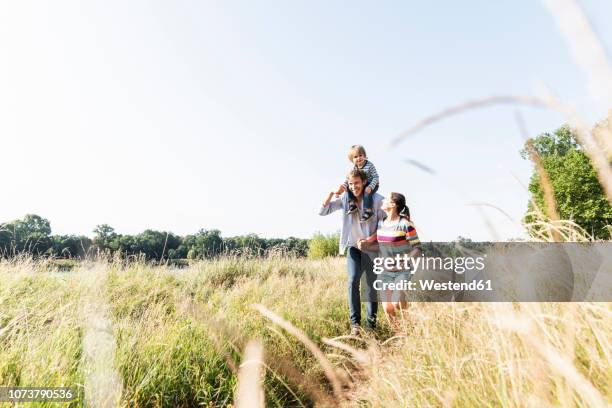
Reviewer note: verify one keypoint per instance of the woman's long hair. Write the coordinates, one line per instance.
(400, 203)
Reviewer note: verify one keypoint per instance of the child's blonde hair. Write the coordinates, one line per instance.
(356, 150)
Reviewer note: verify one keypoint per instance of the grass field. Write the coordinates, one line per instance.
(137, 335)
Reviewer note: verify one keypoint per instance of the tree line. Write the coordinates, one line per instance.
(32, 236)
(577, 192)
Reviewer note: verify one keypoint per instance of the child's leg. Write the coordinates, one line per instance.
(351, 196)
(368, 199)
(352, 202)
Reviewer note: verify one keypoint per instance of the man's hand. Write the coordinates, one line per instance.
(328, 198)
(368, 190)
(340, 190)
(362, 244)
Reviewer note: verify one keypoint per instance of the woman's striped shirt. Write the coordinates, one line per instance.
(398, 238)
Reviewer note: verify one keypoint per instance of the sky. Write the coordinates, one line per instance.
(238, 115)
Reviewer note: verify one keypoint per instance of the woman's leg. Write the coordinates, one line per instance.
(389, 308)
(394, 305)
(402, 318)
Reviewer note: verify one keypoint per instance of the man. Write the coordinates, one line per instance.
(357, 261)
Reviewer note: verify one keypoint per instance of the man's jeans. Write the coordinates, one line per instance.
(358, 263)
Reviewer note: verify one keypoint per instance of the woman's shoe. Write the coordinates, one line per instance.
(355, 330)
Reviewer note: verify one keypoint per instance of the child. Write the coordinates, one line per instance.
(357, 156)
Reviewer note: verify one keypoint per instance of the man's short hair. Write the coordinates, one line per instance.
(357, 173)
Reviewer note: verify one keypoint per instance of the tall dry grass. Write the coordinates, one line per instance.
(136, 335)
(500, 354)
(156, 336)
(139, 335)
(538, 354)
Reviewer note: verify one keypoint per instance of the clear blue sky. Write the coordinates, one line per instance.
(237, 115)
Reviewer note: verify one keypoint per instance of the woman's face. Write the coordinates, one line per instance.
(387, 204)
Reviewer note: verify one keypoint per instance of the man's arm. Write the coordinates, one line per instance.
(370, 244)
(371, 238)
(341, 189)
(330, 206)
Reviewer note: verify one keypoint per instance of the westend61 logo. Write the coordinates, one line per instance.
(404, 262)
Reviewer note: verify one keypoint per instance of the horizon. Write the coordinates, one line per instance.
(92, 234)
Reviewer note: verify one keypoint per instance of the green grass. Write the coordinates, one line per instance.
(178, 332)
(177, 335)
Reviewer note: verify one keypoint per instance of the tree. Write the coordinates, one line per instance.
(249, 244)
(5, 241)
(70, 246)
(30, 234)
(577, 191)
(104, 234)
(155, 244)
(204, 244)
(322, 246)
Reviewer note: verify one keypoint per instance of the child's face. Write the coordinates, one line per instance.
(359, 159)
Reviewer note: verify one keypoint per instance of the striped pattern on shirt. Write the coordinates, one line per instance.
(370, 172)
(401, 234)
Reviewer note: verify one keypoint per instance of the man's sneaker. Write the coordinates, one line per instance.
(366, 216)
(355, 330)
(352, 208)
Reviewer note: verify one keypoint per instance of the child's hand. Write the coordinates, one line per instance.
(368, 190)
(340, 190)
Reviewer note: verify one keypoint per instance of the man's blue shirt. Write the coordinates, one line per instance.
(367, 228)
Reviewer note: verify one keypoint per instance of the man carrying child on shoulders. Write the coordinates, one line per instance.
(354, 230)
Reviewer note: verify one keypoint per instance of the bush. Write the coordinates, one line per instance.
(322, 246)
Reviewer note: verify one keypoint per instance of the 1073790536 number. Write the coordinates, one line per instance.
(38, 394)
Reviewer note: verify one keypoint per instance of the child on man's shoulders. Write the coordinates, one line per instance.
(358, 157)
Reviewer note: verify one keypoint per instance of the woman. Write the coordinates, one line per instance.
(394, 236)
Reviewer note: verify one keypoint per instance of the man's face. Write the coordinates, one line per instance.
(356, 186)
